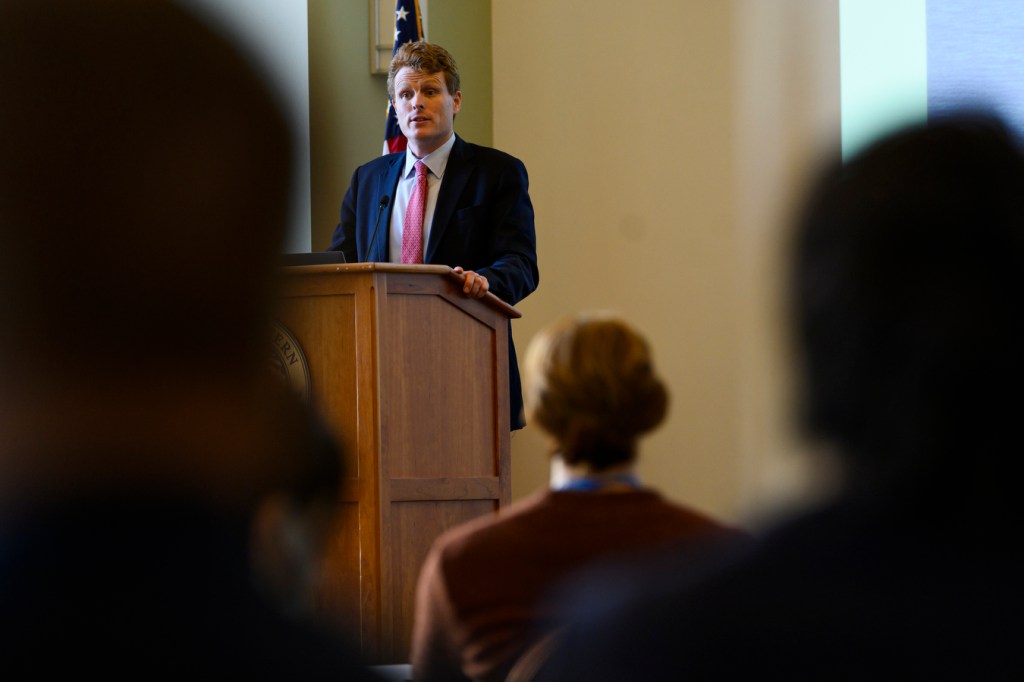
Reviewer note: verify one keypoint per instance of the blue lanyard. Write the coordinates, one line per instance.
(589, 484)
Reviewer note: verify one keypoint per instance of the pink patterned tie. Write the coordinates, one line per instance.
(412, 228)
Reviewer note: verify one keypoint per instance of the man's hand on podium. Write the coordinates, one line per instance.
(473, 285)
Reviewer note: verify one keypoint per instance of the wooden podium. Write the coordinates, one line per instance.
(413, 378)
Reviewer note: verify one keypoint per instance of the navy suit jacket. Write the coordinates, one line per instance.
(483, 221)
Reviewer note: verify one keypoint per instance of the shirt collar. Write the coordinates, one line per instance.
(436, 160)
(601, 482)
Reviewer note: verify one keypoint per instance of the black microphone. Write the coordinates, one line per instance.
(384, 201)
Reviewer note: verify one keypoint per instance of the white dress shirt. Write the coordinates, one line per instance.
(436, 161)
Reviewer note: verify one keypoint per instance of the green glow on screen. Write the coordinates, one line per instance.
(883, 58)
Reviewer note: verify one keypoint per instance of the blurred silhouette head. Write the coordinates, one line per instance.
(144, 180)
(590, 384)
(909, 304)
(144, 175)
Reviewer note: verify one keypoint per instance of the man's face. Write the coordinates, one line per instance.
(425, 109)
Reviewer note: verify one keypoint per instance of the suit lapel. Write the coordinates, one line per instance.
(387, 182)
(456, 175)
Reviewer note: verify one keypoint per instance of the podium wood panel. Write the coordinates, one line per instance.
(413, 378)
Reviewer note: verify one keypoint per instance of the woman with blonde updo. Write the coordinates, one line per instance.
(484, 594)
(593, 390)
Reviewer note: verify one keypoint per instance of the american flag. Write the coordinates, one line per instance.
(408, 29)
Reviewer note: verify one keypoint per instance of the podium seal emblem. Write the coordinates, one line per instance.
(288, 361)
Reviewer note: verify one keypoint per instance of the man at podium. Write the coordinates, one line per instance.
(443, 200)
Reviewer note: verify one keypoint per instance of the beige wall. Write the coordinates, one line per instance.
(661, 139)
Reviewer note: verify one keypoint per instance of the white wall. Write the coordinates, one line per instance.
(663, 140)
(275, 32)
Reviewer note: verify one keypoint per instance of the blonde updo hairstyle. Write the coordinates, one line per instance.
(590, 384)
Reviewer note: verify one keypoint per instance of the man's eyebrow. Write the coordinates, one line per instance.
(422, 82)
